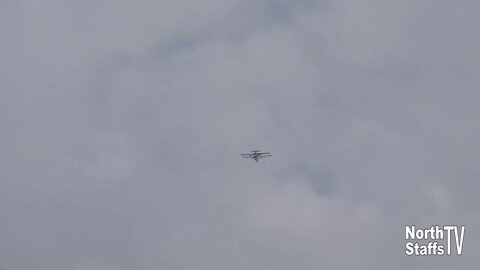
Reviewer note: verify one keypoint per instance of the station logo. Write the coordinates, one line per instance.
(434, 241)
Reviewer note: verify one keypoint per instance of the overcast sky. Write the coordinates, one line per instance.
(121, 125)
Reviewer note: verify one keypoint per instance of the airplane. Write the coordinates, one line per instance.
(256, 155)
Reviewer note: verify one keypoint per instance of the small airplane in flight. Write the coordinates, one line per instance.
(256, 155)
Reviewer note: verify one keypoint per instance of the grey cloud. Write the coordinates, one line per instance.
(121, 125)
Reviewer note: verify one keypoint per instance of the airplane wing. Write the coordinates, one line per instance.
(265, 156)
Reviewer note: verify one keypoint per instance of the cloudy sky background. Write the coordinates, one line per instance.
(122, 123)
